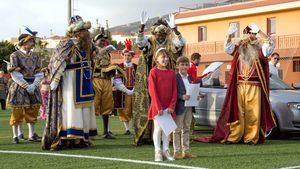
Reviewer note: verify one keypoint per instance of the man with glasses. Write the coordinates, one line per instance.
(274, 59)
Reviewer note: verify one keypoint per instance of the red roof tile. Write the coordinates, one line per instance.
(231, 7)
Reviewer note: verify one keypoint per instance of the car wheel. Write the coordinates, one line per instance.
(273, 133)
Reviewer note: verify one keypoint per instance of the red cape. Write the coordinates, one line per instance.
(229, 113)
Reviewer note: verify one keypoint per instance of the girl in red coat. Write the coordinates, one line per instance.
(163, 92)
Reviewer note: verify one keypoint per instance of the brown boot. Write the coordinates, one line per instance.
(178, 156)
(188, 155)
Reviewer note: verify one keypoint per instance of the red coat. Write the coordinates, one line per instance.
(162, 88)
(192, 71)
(119, 97)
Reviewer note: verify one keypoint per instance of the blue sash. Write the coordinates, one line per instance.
(83, 85)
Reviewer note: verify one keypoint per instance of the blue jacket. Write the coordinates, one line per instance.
(180, 91)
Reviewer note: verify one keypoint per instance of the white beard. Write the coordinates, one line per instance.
(248, 54)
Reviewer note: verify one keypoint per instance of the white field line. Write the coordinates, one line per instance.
(291, 167)
(102, 158)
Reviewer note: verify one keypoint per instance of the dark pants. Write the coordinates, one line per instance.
(3, 104)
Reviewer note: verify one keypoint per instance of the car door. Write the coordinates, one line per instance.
(209, 109)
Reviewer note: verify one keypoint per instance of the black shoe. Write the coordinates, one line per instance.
(37, 136)
(111, 133)
(228, 142)
(127, 132)
(33, 139)
(81, 144)
(15, 140)
(250, 143)
(109, 136)
(21, 137)
(58, 147)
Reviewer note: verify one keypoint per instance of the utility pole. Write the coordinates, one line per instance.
(69, 10)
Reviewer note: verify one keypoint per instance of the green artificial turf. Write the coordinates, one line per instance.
(272, 154)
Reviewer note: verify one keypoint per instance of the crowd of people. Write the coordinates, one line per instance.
(81, 83)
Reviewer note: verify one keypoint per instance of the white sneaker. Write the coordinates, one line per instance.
(158, 156)
(167, 156)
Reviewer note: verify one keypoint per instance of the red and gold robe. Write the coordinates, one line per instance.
(229, 113)
(122, 101)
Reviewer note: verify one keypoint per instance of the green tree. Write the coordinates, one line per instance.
(6, 49)
(114, 43)
(120, 46)
(95, 31)
(40, 48)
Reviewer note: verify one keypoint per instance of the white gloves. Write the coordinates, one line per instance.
(121, 87)
(101, 51)
(144, 18)
(171, 21)
(254, 28)
(18, 78)
(130, 92)
(38, 78)
(110, 48)
(31, 88)
(232, 29)
(53, 85)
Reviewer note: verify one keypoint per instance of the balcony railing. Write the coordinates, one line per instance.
(207, 48)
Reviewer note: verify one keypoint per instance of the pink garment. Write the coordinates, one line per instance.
(45, 95)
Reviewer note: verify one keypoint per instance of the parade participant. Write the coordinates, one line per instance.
(246, 114)
(24, 96)
(163, 93)
(164, 34)
(192, 71)
(3, 90)
(123, 101)
(274, 60)
(71, 120)
(45, 88)
(103, 72)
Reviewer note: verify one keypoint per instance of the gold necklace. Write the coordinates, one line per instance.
(246, 73)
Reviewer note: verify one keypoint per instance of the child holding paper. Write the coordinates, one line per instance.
(184, 115)
(163, 92)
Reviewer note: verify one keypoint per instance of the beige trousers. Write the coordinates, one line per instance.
(181, 136)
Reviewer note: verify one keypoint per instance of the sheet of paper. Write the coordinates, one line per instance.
(193, 91)
(212, 67)
(166, 122)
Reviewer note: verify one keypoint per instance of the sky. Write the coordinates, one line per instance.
(50, 17)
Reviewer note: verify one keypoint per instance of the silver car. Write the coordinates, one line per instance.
(285, 102)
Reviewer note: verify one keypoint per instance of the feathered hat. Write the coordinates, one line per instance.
(76, 24)
(25, 37)
(128, 47)
(101, 35)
